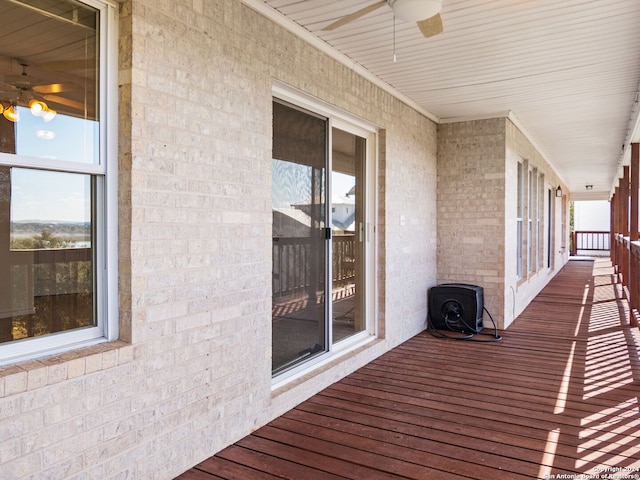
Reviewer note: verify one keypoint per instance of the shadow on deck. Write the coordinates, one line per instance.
(557, 398)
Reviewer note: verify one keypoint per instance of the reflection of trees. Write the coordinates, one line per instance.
(46, 239)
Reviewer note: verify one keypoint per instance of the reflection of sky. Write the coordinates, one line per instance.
(75, 139)
(49, 196)
(341, 183)
(44, 195)
(291, 183)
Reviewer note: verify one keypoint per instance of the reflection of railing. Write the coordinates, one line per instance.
(62, 271)
(50, 290)
(590, 240)
(344, 259)
(292, 259)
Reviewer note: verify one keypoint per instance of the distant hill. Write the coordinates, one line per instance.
(78, 231)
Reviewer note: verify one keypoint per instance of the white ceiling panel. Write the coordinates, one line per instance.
(568, 70)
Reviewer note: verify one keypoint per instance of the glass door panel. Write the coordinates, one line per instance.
(299, 327)
(348, 234)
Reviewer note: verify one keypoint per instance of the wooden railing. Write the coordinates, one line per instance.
(626, 257)
(293, 263)
(590, 241)
(625, 251)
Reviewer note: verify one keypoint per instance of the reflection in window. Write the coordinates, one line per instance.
(65, 138)
(49, 87)
(46, 254)
(53, 177)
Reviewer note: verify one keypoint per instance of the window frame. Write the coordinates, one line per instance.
(540, 221)
(520, 220)
(105, 174)
(530, 206)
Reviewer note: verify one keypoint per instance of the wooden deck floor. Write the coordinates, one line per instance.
(559, 395)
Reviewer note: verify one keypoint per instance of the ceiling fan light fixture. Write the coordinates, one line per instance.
(11, 114)
(415, 10)
(41, 109)
(37, 107)
(48, 115)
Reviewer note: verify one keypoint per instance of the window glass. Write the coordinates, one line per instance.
(49, 82)
(299, 324)
(47, 259)
(52, 177)
(321, 254)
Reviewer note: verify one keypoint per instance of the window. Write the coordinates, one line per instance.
(530, 204)
(539, 221)
(323, 241)
(56, 205)
(550, 220)
(519, 220)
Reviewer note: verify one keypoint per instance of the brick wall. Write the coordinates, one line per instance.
(192, 372)
(477, 198)
(471, 207)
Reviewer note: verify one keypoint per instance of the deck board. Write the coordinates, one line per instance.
(559, 395)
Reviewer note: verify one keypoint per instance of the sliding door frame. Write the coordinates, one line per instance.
(352, 124)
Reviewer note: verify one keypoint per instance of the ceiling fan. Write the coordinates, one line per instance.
(25, 90)
(426, 13)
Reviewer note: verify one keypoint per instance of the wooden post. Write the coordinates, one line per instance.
(612, 230)
(616, 219)
(618, 230)
(634, 267)
(635, 184)
(624, 194)
(624, 199)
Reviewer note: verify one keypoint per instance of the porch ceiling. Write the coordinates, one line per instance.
(568, 72)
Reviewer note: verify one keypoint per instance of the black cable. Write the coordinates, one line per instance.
(469, 337)
(497, 337)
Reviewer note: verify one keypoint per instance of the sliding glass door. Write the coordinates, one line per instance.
(299, 329)
(349, 233)
(319, 236)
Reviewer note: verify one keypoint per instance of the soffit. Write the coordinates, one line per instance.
(568, 71)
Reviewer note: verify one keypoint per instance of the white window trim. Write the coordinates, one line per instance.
(530, 211)
(519, 219)
(107, 208)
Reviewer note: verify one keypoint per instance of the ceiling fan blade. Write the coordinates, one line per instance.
(431, 26)
(7, 87)
(355, 15)
(54, 88)
(70, 64)
(65, 101)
